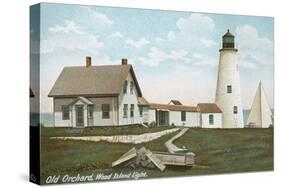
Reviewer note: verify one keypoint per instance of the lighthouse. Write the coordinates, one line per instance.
(228, 94)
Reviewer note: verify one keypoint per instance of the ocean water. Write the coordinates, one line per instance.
(246, 114)
(47, 118)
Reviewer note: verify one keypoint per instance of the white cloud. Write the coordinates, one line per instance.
(95, 18)
(70, 36)
(73, 42)
(156, 56)
(208, 43)
(159, 39)
(117, 35)
(171, 35)
(137, 43)
(196, 24)
(67, 27)
(254, 50)
(195, 29)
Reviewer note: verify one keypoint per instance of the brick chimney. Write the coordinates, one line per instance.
(88, 61)
(124, 61)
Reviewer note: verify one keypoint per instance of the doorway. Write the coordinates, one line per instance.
(163, 118)
(79, 112)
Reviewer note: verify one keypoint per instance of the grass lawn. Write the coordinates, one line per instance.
(217, 151)
(98, 131)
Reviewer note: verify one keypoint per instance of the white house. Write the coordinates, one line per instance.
(205, 115)
(106, 95)
(210, 115)
(170, 114)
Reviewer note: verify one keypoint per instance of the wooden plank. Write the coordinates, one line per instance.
(126, 157)
(175, 159)
(155, 160)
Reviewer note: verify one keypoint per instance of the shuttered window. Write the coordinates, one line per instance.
(65, 112)
(132, 108)
(141, 111)
(131, 87)
(183, 116)
(125, 87)
(90, 111)
(125, 110)
(211, 119)
(105, 111)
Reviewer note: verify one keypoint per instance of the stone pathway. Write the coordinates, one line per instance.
(172, 148)
(133, 139)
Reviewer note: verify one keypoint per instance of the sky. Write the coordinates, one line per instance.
(174, 54)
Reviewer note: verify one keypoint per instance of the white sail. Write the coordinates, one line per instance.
(260, 115)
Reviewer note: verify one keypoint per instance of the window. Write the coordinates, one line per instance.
(183, 116)
(65, 112)
(125, 110)
(131, 87)
(105, 111)
(125, 86)
(229, 89)
(90, 111)
(132, 108)
(235, 109)
(141, 111)
(211, 119)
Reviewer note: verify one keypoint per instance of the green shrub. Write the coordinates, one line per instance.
(152, 124)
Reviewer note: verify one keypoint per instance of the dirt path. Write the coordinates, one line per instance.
(134, 139)
(172, 148)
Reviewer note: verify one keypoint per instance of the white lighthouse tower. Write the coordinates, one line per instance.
(228, 95)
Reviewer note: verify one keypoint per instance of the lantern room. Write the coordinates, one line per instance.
(228, 40)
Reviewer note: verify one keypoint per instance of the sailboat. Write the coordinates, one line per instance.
(260, 115)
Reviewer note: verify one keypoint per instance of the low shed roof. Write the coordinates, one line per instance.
(208, 108)
(173, 107)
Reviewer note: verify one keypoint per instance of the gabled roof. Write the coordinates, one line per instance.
(208, 108)
(83, 99)
(105, 80)
(175, 102)
(172, 107)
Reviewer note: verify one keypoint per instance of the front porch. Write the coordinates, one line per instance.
(82, 112)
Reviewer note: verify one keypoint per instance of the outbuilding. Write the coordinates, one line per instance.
(210, 115)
